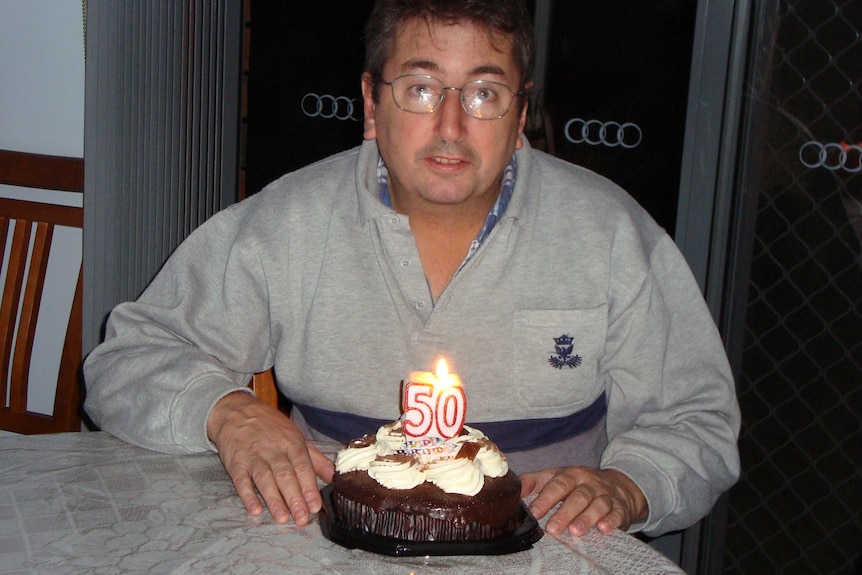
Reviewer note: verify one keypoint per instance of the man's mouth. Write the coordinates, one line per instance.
(440, 160)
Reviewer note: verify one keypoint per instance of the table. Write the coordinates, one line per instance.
(90, 503)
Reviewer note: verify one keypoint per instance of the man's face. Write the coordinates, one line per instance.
(447, 158)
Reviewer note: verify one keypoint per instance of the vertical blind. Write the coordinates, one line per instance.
(161, 137)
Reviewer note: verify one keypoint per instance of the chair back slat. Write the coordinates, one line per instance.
(26, 233)
(12, 288)
(5, 328)
(32, 298)
(68, 397)
(4, 230)
(264, 387)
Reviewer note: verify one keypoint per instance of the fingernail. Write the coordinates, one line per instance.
(280, 516)
(577, 528)
(553, 527)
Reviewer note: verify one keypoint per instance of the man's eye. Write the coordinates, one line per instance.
(485, 94)
(420, 91)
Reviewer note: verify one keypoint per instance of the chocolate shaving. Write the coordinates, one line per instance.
(468, 450)
(364, 441)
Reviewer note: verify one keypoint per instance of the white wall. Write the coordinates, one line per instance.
(42, 77)
(42, 111)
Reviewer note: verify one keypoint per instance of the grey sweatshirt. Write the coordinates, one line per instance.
(577, 304)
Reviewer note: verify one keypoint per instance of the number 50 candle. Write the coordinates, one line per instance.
(434, 405)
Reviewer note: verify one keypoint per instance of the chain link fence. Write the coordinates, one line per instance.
(798, 505)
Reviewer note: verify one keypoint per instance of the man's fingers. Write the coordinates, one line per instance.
(586, 497)
(276, 497)
(298, 483)
(584, 513)
(530, 483)
(551, 490)
(537, 482)
(616, 519)
(323, 466)
(262, 449)
(576, 498)
(245, 489)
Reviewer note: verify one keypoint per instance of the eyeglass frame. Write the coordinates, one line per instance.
(391, 84)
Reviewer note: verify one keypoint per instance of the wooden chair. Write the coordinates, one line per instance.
(264, 387)
(26, 231)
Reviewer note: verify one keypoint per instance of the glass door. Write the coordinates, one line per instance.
(796, 314)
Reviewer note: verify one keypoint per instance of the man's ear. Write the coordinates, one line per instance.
(370, 130)
(521, 125)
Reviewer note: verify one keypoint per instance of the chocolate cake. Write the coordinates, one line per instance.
(382, 489)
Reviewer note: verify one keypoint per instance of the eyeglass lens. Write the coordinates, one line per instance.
(420, 94)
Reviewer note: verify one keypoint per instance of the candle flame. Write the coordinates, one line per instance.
(442, 369)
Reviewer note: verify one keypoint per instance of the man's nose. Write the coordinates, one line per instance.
(451, 117)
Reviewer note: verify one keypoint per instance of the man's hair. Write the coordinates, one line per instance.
(497, 17)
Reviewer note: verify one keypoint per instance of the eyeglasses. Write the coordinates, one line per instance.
(481, 99)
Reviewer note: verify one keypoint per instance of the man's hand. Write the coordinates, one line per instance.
(605, 498)
(261, 447)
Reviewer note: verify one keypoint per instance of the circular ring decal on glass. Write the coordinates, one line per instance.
(330, 107)
(598, 133)
(832, 156)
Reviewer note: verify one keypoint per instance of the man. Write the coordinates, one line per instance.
(585, 348)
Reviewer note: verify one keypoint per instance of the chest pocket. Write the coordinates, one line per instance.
(556, 357)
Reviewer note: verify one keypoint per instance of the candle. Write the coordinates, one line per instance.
(434, 405)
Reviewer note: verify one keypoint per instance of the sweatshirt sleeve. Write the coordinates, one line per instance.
(196, 334)
(673, 418)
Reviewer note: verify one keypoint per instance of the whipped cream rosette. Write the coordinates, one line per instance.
(457, 465)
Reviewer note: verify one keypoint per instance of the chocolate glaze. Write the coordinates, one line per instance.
(426, 512)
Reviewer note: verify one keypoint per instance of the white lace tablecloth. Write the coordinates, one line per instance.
(89, 503)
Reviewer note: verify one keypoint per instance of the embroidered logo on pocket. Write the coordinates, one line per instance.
(563, 356)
